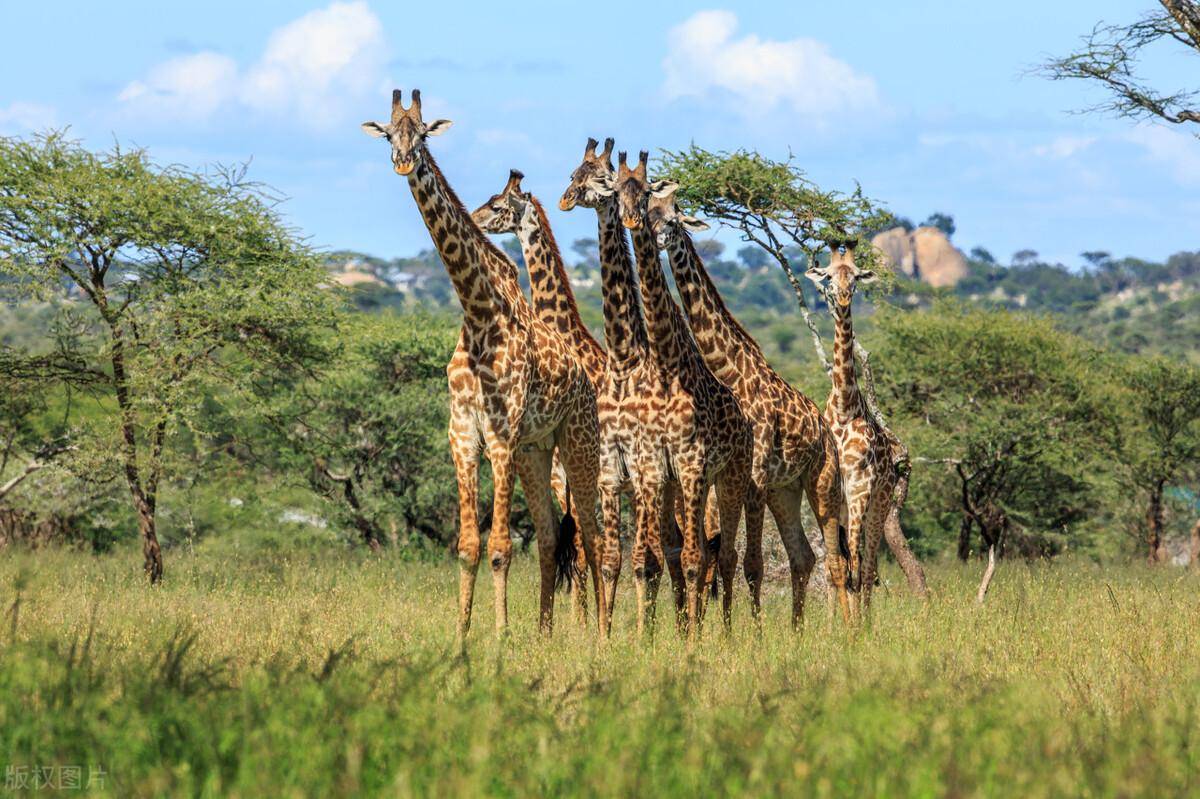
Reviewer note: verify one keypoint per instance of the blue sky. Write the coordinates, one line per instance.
(927, 104)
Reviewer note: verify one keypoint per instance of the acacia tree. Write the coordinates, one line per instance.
(1007, 404)
(1161, 444)
(1111, 56)
(774, 205)
(183, 279)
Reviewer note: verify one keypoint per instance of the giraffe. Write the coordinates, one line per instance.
(705, 438)
(515, 389)
(631, 379)
(515, 211)
(795, 454)
(867, 476)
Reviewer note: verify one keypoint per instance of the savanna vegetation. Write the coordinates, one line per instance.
(183, 377)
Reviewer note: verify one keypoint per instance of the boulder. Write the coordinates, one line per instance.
(939, 263)
(926, 254)
(897, 246)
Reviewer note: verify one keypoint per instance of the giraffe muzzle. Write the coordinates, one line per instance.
(566, 204)
(631, 222)
(404, 169)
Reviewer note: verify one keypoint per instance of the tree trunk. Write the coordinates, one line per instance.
(964, 538)
(987, 575)
(1157, 552)
(143, 503)
(894, 535)
(151, 552)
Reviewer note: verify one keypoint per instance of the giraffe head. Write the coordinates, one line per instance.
(666, 219)
(502, 212)
(839, 280)
(406, 132)
(591, 182)
(635, 190)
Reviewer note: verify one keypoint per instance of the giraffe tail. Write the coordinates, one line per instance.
(564, 548)
(854, 568)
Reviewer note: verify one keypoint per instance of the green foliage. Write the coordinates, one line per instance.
(370, 434)
(334, 675)
(176, 282)
(772, 203)
(1006, 408)
(943, 222)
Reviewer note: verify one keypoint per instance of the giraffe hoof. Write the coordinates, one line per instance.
(497, 562)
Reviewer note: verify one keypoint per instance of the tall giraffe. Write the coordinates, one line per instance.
(515, 211)
(631, 381)
(516, 391)
(867, 476)
(705, 436)
(795, 454)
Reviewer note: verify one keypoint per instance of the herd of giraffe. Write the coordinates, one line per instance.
(680, 411)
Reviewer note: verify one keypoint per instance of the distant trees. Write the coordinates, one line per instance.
(1159, 445)
(178, 279)
(943, 222)
(368, 434)
(1002, 408)
(1111, 56)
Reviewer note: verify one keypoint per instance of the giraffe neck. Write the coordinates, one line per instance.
(717, 333)
(483, 277)
(624, 326)
(845, 399)
(670, 339)
(553, 300)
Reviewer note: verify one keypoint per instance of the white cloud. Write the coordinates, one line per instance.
(187, 87)
(20, 117)
(1062, 147)
(310, 68)
(1179, 152)
(705, 60)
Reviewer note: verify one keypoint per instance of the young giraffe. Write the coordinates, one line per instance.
(515, 388)
(706, 439)
(519, 212)
(631, 380)
(867, 476)
(795, 454)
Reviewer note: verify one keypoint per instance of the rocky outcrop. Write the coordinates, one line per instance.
(926, 254)
(897, 246)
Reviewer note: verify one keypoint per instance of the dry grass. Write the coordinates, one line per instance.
(303, 677)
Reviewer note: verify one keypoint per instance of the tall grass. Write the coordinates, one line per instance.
(334, 675)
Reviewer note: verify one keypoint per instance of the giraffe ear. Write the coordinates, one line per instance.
(374, 129)
(438, 127)
(661, 189)
(816, 274)
(692, 224)
(866, 276)
(601, 186)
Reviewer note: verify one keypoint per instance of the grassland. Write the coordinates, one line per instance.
(334, 675)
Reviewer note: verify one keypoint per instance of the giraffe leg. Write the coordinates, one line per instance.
(608, 556)
(752, 567)
(858, 498)
(499, 538)
(464, 449)
(731, 497)
(558, 483)
(712, 545)
(673, 539)
(877, 513)
(825, 497)
(692, 557)
(646, 541)
(534, 468)
(786, 505)
(579, 444)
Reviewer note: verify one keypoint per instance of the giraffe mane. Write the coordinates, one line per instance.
(560, 269)
(722, 308)
(479, 238)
